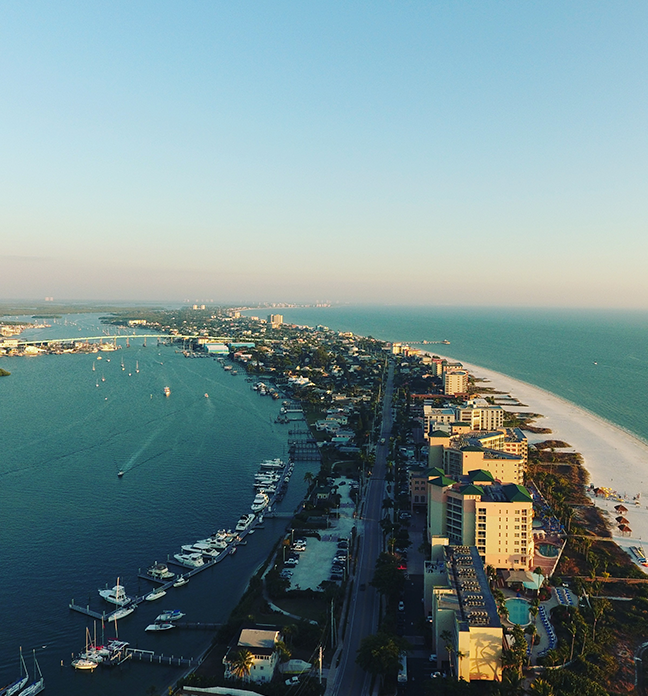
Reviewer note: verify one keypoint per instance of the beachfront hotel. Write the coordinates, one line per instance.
(455, 382)
(476, 510)
(466, 626)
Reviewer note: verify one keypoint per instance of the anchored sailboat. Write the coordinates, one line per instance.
(19, 683)
(36, 686)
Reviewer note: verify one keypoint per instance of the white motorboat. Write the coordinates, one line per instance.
(84, 663)
(244, 522)
(169, 615)
(191, 560)
(160, 627)
(157, 593)
(160, 571)
(181, 581)
(203, 551)
(121, 613)
(117, 595)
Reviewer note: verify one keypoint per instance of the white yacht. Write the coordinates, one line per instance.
(202, 550)
(160, 571)
(260, 501)
(121, 613)
(181, 581)
(117, 595)
(244, 522)
(191, 560)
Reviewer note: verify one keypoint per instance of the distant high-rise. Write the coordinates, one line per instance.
(275, 320)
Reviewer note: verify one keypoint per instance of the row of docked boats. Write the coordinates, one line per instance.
(266, 390)
(22, 686)
(110, 654)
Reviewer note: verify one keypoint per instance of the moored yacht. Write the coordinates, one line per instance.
(260, 501)
(117, 595)
(160, 627)
(191, 560)
(160, 571)
(244, 522)
(169, 615)
(157, 593)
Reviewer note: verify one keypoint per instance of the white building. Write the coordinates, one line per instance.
(262, 644)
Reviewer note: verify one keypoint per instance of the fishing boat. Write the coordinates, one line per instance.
(244, 522)
(117, 595)
(169, 615)
(16, 686)
(181, 581)
(160, 627)
(120, 473)
(157, 593)
(36, 686)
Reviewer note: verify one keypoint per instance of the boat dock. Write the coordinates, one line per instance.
(150, 656)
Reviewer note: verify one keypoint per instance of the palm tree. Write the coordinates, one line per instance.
(241, 665)
(309, 478)
(540, 687)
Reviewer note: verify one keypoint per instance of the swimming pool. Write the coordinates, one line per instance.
(548, 550)
(518, 611)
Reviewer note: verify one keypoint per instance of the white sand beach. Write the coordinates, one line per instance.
(613, 457)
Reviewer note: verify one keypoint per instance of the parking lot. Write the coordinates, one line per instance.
(316, 561)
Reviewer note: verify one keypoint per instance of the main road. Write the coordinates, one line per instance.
(347, 677)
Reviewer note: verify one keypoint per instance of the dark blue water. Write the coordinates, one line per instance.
(552, 349)
(70, 525)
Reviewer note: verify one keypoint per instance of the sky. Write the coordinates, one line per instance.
(469, 153)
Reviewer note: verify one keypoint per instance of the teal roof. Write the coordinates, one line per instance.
(516, 493)
(471, 489)
(480, 475)
(472, 448)
(439, 433)
(435, 471)
(442, 481)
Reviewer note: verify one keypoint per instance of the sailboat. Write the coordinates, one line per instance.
(19, 683)
(93, 367)
(37, 686)
(136, 366)
(84, 661)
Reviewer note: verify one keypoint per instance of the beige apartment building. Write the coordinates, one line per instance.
(459, 459)
(463, 612)
(455, 382)
(477, 511)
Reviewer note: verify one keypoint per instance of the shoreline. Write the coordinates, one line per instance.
(614, 457)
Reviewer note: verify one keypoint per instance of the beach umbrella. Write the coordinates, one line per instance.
(622, 520)
(620, 508)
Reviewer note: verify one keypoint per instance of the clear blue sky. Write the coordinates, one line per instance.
(419, 152)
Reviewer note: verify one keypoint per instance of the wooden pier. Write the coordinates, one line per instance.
(150, 656)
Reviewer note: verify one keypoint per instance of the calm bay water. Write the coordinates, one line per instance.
(552, 349)
(70, 525)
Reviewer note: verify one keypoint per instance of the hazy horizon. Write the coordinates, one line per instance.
(468, 154)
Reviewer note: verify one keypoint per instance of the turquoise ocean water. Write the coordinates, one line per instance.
(596, 359)
(70, 526)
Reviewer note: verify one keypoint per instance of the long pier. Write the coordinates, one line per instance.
(150, 656)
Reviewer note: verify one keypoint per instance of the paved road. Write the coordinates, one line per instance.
(349, 679)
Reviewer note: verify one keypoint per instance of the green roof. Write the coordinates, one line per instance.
(442, 481)
(516, 493)
(472, 448)
(435, 471)
(438, 433)
(480, 475)
(471, 489)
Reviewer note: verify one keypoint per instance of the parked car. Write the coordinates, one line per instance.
(292, 681)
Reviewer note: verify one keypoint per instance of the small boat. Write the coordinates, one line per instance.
(167, 391)
(206, 395)
(116, 596)
(157, 593)
(120, 473)
(84, 663)
(121, 613)
(181, 581)
(160, 627)
(136, 366)
(169, 615)
(16, 686)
